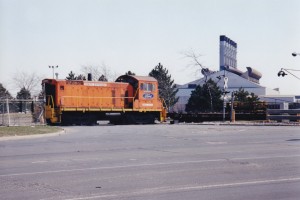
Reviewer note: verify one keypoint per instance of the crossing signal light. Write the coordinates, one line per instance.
(281, 73)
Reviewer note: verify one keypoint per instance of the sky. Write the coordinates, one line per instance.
(136, 35)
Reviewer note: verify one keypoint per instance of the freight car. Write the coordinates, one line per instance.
(128, 100)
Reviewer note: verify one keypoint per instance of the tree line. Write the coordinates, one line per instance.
(26, 83)
(208, 98)
(204, 98)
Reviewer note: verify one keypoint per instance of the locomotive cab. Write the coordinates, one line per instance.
(144, 91)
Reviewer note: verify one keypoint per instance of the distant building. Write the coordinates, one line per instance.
(235, 81)
(248, 80)
(228, 51)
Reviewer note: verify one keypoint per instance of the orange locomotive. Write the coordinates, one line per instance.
(129, 100)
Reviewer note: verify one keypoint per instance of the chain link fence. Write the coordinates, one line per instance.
(21, 112)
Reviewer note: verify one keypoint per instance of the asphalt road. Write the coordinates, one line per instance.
(168, 162)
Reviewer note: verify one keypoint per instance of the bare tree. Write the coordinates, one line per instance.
(28, 81)
(114, 75)
(204, 70)
(196, 63)
(106, 71)
(99, 70)
(94, 70)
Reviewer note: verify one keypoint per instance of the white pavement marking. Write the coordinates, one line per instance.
(151, 191)
(216, 142)
(39, 161)
(113, 167)
(147, 165)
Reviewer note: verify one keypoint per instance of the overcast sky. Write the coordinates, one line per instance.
(138, 34)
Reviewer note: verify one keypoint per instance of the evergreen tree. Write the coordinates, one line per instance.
(246, 100)
(80, 77)
(252, 98)
(206, 98)
(166, 86)
(130, 73)
(241, 95)
(71, 76)
(23, 94)
(4, 93)
(244, 96)
(102, 78)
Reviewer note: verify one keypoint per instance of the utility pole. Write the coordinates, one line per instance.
(7, 108)
(53, 67)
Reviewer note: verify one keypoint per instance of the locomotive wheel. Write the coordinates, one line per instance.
(133, 118)
(139, 118)
(48, 121)
(80, 119)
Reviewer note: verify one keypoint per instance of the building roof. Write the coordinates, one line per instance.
(234, 83)
(234, 80)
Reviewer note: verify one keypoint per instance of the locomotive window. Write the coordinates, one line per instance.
(150, 87)
(62, 87)
(147, 86)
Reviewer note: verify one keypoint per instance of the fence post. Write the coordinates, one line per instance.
(232, 116)
(7, 108)
(3, 113)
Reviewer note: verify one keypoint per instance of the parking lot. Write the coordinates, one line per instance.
(162, 161)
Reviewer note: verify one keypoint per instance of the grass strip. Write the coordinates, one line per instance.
(27, 130)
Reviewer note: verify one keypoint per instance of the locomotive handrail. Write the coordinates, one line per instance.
(136, 92)
(164, 103)
(50, 100)
(94, 97)
(89, 97)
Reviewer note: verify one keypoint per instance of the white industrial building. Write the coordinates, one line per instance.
(233, 84)
(232, 78)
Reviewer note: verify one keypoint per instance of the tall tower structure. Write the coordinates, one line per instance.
(228, 51)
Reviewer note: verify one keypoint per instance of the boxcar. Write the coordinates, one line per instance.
(128, 100)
